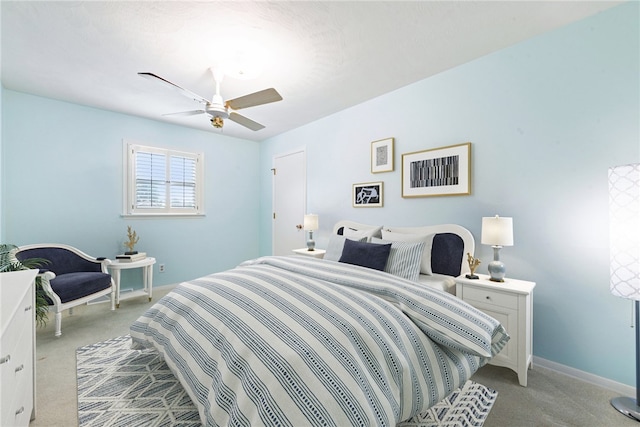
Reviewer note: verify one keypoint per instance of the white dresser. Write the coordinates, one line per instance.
(17, 347)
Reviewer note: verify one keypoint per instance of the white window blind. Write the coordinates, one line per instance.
(163, 182)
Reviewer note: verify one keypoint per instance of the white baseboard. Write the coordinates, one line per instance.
(623, 389)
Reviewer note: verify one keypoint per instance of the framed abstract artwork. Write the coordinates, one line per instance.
(444, 171)
(382, 155)
(367, 195)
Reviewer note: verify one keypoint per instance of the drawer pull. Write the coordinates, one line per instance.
(28, 308)
(5, 359)
(20, 368)
(488, 297)
(19, 411)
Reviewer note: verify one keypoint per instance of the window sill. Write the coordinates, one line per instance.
(163, 215)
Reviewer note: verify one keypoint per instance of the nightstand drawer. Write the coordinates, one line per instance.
(485, 296)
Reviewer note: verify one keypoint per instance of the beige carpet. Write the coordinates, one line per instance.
(550, 399)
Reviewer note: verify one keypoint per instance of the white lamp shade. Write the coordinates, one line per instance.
(497, 231)
(624, 231)
(311, 222)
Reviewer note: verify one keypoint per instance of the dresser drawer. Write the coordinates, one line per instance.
(13, 339)
(490, 296)
(18, 412)
(16, 354)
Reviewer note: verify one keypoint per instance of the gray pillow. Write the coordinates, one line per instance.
(335, 246)
(425, 264)
(404, 258)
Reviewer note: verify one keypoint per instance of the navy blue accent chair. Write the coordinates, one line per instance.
(70, 278)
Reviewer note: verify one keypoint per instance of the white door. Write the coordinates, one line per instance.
(289, 202)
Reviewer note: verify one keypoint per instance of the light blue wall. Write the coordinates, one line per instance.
(1, 175)
(546, 118)
(63, 173)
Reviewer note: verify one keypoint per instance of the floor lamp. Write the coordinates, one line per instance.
(624, 231)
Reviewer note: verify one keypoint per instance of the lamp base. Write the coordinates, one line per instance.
(627, 406)
(311, 244)
(496, 271)
(496, 267)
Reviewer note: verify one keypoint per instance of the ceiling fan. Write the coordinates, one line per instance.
(217, 109)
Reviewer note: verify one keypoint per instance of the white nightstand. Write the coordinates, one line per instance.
(511, 303)
(318, 253)
(147, 276)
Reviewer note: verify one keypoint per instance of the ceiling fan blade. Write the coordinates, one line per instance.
(257, 98)
(186, 113)
(248, 123)
(174, 86)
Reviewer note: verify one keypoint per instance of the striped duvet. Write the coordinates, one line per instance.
(298, 341)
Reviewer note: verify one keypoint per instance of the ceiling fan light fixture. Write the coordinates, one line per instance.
(217, 108)
(217, 122)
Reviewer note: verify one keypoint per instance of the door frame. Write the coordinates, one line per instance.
(302, 150)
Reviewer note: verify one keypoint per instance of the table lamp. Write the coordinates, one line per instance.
(311, 225)
(498, 232)
(624, 266)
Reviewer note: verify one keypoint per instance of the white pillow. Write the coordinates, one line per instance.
(336, 245)
(357, 234)
(404, 259)
(425, 264)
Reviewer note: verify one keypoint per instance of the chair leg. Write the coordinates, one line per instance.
(58, 324)
(113, 301)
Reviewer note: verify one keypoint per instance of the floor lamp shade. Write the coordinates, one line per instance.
(624, 232)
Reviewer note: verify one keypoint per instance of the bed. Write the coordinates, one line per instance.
(301, 341)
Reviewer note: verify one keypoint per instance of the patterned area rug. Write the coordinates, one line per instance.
(120, 387)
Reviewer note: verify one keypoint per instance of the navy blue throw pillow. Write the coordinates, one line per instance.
(364, 254)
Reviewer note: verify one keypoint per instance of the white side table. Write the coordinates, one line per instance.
(317, 253)
(147, 276)
(511, 303)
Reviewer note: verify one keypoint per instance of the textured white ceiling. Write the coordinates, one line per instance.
(321, 56)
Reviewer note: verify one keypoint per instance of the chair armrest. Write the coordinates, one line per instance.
(47, 275)
(105, 263)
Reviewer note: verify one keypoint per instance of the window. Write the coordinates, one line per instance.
(163, 182)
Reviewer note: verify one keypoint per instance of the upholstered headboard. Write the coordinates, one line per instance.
(338, 228)
(451, 243)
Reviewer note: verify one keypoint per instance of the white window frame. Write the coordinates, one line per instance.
(129, 200)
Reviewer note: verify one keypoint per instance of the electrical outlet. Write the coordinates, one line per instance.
(161, 268)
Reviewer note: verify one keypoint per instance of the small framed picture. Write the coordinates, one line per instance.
(442, 171)
(367, 195)
(382, 155)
